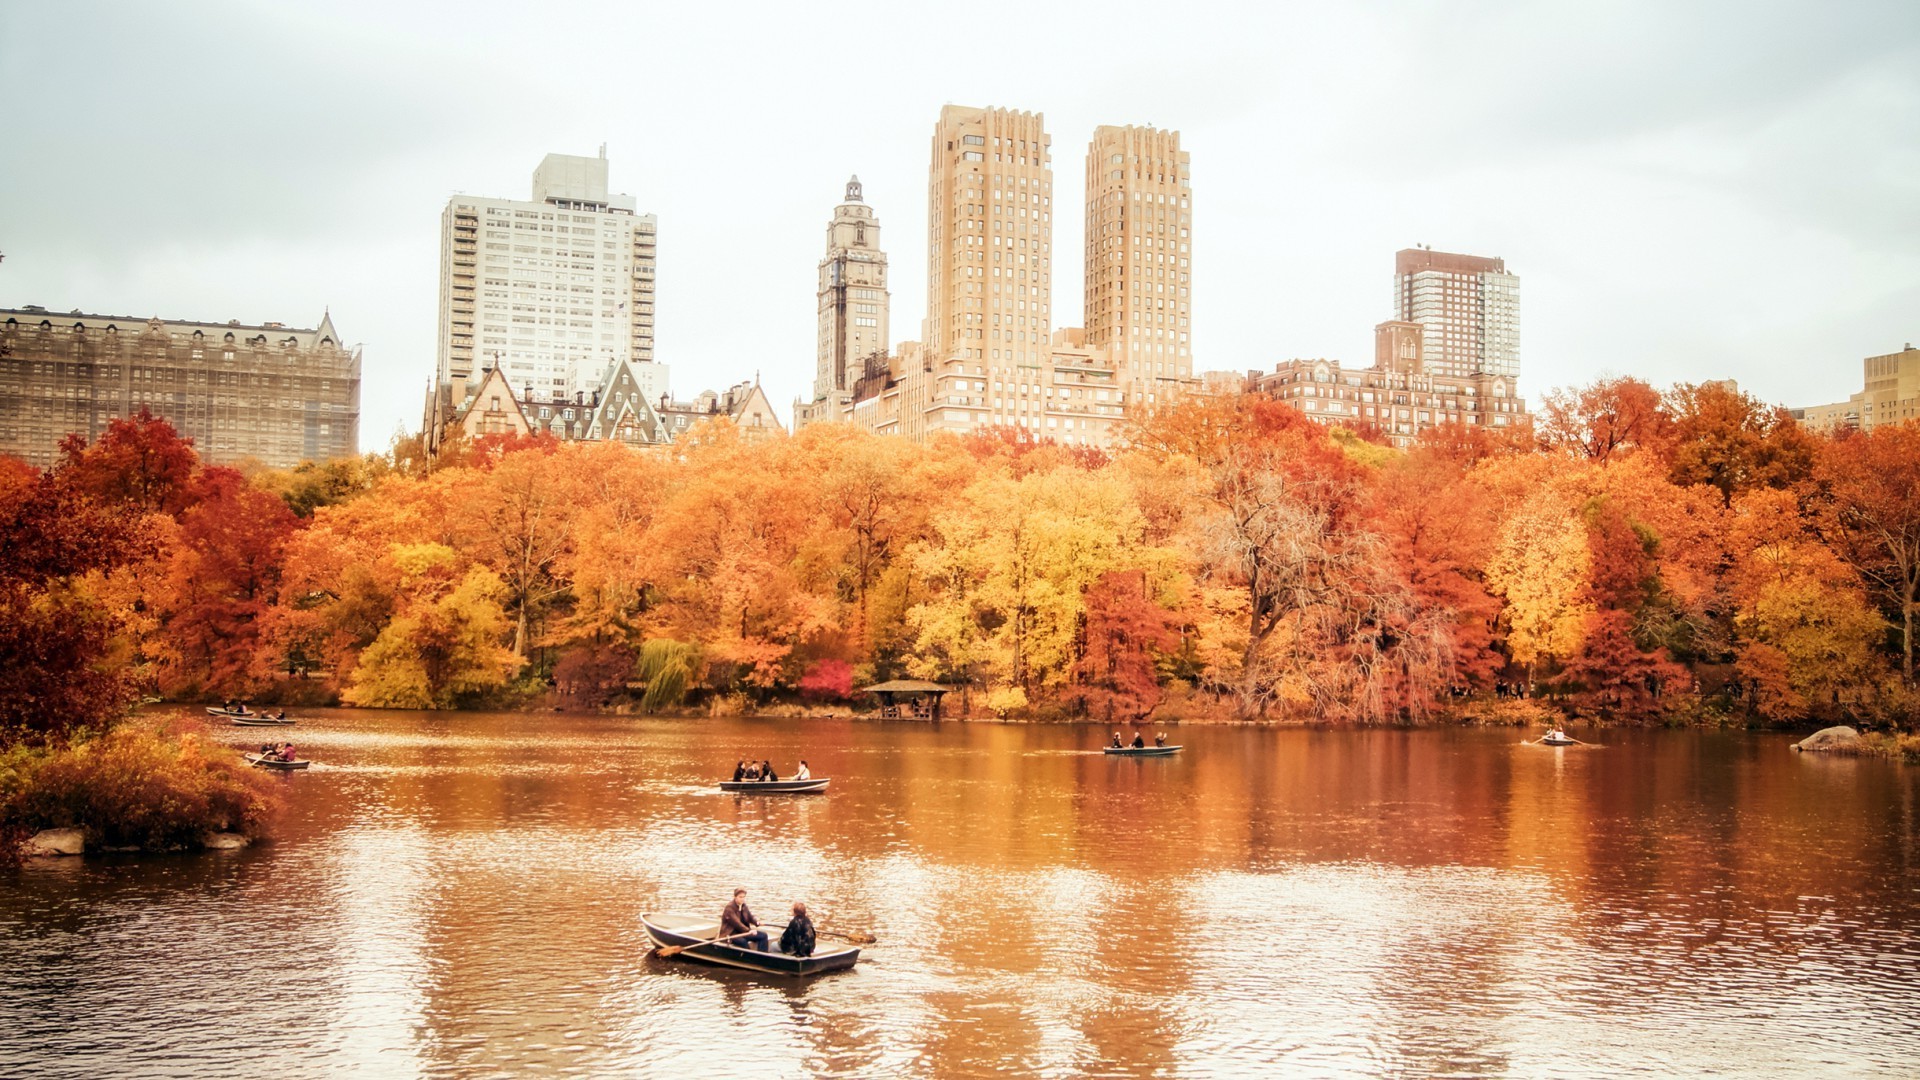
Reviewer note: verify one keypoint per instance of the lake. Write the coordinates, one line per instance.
(459, 894)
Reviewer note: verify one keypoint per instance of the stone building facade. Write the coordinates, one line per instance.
(266, 393)
(1399, 395)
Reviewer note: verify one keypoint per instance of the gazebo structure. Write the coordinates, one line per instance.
(912, 699)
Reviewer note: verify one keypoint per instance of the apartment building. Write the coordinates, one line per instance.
(261, 392)
(1468, 305)
(1890, 394)
(1139, 287)
(553, 290)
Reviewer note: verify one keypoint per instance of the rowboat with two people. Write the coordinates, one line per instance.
(266, 761)
(695, 937)
(1556, 737)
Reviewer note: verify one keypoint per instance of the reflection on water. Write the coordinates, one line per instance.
(459, 895)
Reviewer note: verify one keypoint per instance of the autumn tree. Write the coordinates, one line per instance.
(443, 646)
(1733, 443)
(1870, 516)
(223, 576)
(57, 668)
(1607, 419)
(1127, 631)
(140, 462)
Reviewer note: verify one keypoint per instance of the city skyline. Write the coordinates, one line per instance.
(1788, 144)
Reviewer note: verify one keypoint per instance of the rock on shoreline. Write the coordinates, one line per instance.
(51, 843)
(1836, 740)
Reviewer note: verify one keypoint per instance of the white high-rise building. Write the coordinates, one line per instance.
(1468, 307)
(554, 290)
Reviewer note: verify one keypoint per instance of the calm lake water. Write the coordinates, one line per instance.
(460, 895)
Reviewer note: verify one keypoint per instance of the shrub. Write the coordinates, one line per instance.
(828, 680)
(152, 786)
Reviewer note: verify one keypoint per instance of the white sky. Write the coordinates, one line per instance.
(1688, 190)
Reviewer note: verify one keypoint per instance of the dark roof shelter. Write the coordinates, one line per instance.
(908, 699)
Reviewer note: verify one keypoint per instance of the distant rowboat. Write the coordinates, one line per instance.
(261, 721)
(276, 763)
(1143, 751)
(775, 787)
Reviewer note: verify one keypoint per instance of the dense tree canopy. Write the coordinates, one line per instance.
(1643, 555)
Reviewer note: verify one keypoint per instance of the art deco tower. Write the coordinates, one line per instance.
(989, 238)
(1139, 289)
(853, 296)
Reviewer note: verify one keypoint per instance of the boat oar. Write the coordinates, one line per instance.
(676, 950)
(857, 939)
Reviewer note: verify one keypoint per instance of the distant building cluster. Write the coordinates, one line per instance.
(1890, 394)
(1451, 357)
(547, 318)
(241, 392)
(989, 354)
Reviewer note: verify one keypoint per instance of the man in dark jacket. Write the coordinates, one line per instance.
(737, 922)
(798, 940)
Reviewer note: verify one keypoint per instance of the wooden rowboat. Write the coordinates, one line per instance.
(690, 930)
(775, 787)
(1558, 740)
(1142, 751)
(247, 719)
(276, 763)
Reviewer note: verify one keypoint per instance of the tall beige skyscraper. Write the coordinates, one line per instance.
(989, 239)
(852, 296)
(1139, 289)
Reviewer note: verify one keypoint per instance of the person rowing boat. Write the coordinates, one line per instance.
(737, 922)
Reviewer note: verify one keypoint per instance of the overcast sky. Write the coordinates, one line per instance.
(1687, 190)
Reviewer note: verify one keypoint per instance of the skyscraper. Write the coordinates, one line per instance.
(853, 322)
(1469, 307)
(989, 239)
(1139, 255)
(554, 290)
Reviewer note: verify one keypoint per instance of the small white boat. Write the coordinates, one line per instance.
(1556, 737)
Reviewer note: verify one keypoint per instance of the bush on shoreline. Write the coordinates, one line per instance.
(151, 786)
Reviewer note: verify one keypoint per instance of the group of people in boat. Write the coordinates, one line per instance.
(1139, 741)
(748, 771)
(239, 708)
(277, 752)
(744, 931)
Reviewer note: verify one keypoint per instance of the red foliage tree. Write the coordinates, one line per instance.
(225, 578)
(1870, 516)
(828, 680)
(1126, 633)
(140, 461)
(1610, 418)
(55, 643)
(1615, 672)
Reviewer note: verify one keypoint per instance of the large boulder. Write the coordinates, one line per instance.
(224, 841)
(1840, 740)
(55, 842)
